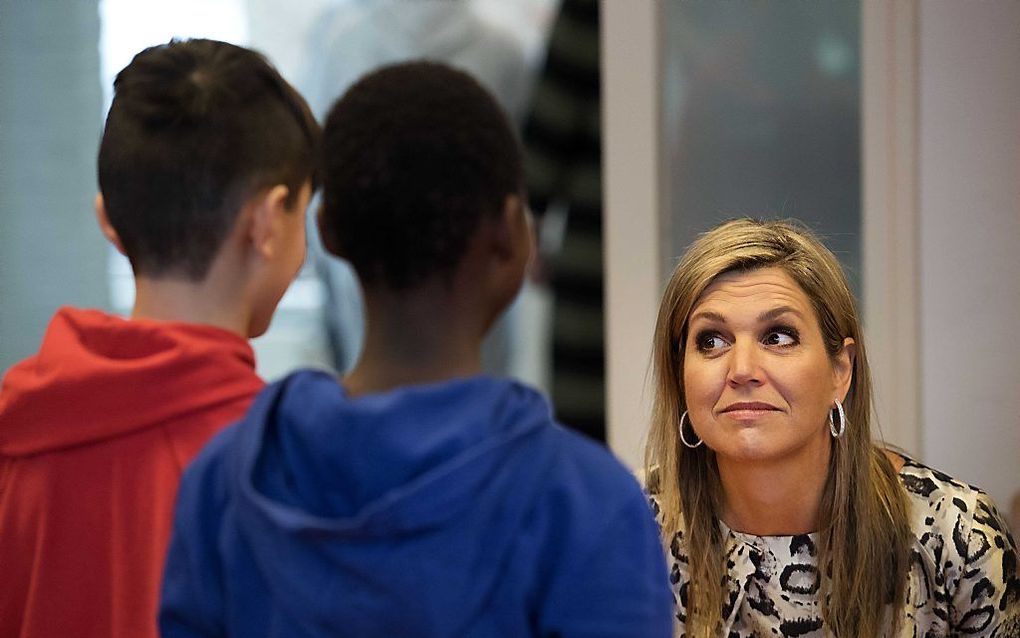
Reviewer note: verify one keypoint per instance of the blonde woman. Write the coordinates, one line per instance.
(780, 515)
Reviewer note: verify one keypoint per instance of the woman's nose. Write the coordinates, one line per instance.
(744, 363)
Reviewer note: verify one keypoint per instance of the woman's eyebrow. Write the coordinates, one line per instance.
(769, 315)
(707, 315)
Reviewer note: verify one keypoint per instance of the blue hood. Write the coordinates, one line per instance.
(351, 506)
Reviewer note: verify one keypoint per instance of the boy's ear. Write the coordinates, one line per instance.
(265, 214)
(105, 226)
(514, 232)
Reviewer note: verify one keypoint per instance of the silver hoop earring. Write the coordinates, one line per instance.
(837, 432)
(682, 437)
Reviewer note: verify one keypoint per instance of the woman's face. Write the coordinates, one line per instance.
(758, 379)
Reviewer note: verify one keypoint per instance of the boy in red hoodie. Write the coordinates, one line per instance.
(206, 167)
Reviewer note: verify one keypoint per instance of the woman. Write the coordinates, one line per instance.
(781, 516)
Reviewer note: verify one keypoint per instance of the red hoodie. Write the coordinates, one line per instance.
(94, 433)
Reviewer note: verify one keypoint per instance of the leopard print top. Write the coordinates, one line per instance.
(963, 571)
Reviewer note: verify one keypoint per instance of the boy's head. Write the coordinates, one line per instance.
(417, 157)
(198, 128)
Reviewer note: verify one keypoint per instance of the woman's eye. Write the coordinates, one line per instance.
(781, 338)
(709, 342)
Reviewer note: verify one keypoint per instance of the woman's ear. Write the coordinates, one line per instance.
(105, 226)
(843, 367)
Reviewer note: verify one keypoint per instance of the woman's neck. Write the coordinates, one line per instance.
(779, 498)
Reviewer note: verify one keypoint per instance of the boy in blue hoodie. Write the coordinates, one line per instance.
(415, 497)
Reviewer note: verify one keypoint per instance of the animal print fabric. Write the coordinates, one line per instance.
(962, 581)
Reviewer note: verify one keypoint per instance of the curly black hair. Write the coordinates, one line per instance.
(196, 127)
(415, 155)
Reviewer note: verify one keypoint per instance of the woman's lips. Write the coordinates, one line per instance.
(749, 410)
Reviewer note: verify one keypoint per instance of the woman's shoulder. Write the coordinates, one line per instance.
(963, 542)
(952, 514)
(651, 483)
(927, 484)
(941, 506)
(935, 494)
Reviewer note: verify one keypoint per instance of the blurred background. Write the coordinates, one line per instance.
(892, 129)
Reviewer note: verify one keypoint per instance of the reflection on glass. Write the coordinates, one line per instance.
(761, 118)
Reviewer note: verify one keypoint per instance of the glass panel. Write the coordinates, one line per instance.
(761, 118)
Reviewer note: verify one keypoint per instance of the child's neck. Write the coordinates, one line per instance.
(426, 335)
(189, 302)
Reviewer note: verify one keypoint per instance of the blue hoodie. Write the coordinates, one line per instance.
(451, 509)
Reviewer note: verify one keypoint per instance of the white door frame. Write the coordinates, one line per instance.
(889, 217)
(631, 102)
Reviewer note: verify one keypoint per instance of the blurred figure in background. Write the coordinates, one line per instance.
(562, 135)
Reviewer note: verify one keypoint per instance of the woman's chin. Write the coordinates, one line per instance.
(754, 447)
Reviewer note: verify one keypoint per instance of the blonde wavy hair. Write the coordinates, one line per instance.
(864, 534)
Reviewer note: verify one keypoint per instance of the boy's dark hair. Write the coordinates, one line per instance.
(415, 155)
(196, 128)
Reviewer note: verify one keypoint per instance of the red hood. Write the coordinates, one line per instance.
(97, 376)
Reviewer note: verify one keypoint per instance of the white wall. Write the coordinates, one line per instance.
(969, 233)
